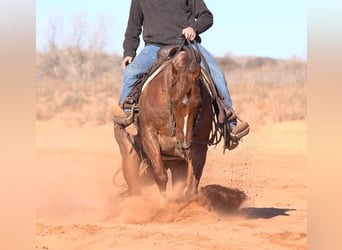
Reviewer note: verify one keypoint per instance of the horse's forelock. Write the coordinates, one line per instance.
(183, 69)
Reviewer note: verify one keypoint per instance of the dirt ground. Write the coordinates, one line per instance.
(78, 207)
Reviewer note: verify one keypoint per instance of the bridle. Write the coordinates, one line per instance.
(172, 123)
(215, 136)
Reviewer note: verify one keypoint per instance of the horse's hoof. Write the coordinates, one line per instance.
(189, 195)
(163, 200)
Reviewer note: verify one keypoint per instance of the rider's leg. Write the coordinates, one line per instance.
(238, 130)
(217, 75)
(140, 64)
(134, 71)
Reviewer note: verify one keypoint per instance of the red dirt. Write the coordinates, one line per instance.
(80, 208)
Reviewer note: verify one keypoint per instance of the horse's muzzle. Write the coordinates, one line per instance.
(184, 145)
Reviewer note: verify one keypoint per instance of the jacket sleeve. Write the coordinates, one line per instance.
(133, 30)
(204, 18)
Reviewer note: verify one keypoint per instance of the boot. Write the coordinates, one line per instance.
(240, 130)
(237, 128)
(125, 119)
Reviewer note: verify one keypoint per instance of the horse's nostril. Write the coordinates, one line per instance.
(186, 145)
(183, 145)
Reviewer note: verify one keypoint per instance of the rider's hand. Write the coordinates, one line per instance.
(127, 60)
(189, 33)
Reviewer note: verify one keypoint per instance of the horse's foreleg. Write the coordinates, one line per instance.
(179, 173)
(196, 161)
(130, 161)
(152, 149)
(191, 182)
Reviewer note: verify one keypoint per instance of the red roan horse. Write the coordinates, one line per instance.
(175, 122)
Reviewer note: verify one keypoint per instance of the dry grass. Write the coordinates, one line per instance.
(81, 86)
(266, 90)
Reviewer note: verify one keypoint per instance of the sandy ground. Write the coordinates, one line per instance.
(78, 207)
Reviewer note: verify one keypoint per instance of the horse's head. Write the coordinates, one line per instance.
(184, 95)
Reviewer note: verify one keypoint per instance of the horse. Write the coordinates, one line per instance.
(175, 121)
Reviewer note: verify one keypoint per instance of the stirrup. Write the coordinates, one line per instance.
(228, 142)
(233, 144)
(236, 134)
(229, 115)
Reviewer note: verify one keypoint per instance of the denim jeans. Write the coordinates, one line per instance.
(134, 71)
(147, 57)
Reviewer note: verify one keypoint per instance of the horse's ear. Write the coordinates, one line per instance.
(170, 76)
(195, 68)
(173, 69)
(198, 70)
(180, 60)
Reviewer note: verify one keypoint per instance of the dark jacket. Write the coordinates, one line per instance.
(163, 20)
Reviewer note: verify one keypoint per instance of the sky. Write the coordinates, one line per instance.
(269, 28)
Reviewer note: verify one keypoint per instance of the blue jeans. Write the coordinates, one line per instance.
(134, 71)
(147, 57)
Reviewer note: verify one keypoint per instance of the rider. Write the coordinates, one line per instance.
(161, 22)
